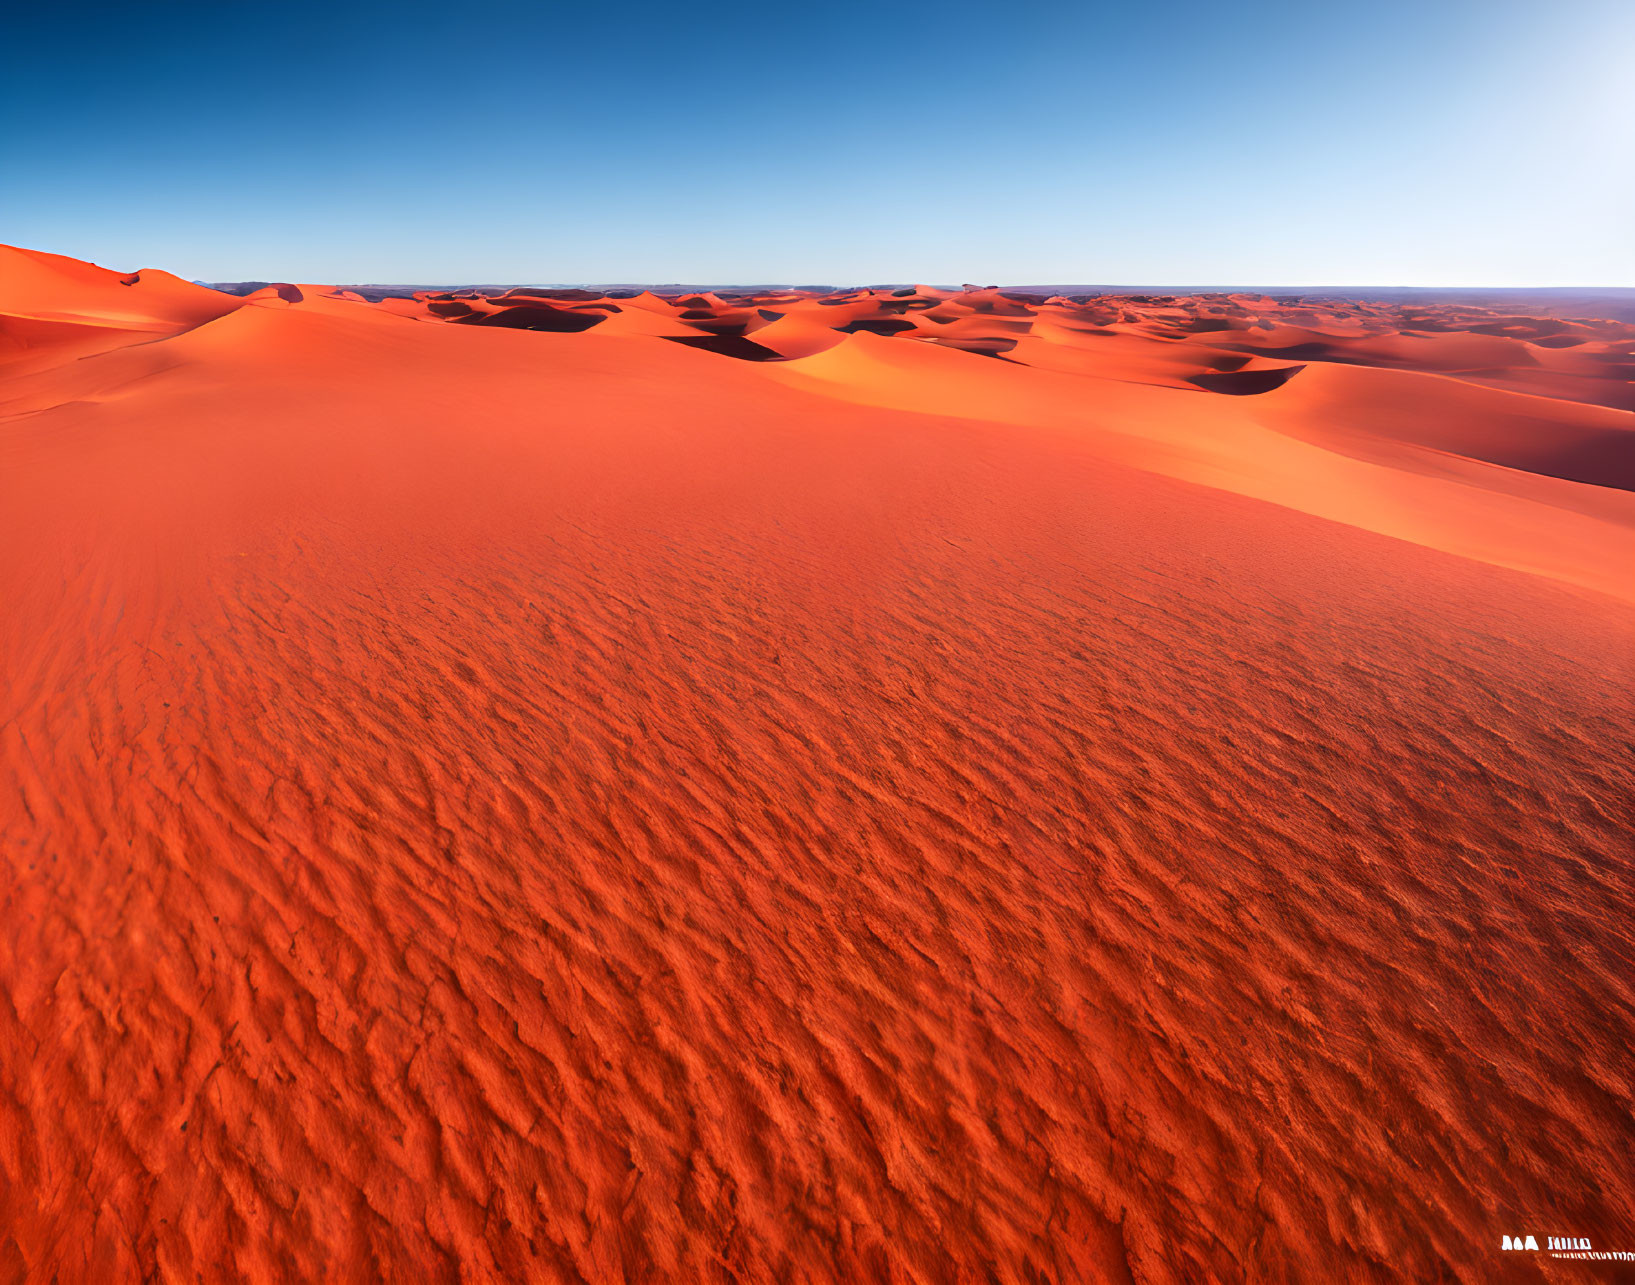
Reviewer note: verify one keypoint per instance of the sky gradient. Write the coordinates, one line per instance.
(1438, 143)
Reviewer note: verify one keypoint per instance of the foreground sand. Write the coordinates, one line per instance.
(1044, 794)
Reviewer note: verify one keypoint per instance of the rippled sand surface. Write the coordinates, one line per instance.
(486, 805)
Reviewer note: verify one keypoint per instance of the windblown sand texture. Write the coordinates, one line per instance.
(897, 786)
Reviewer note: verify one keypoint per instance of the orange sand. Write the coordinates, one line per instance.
(925, 787)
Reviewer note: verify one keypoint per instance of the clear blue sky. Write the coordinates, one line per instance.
(1431, 142)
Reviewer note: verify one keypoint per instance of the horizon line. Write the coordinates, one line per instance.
(1057, 287)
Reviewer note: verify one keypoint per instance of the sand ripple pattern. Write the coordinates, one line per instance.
(955, 861)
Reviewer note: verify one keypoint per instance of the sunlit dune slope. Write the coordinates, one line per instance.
(816, 804)
(53, 309)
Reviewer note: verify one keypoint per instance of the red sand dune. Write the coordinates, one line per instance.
(961, 801)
